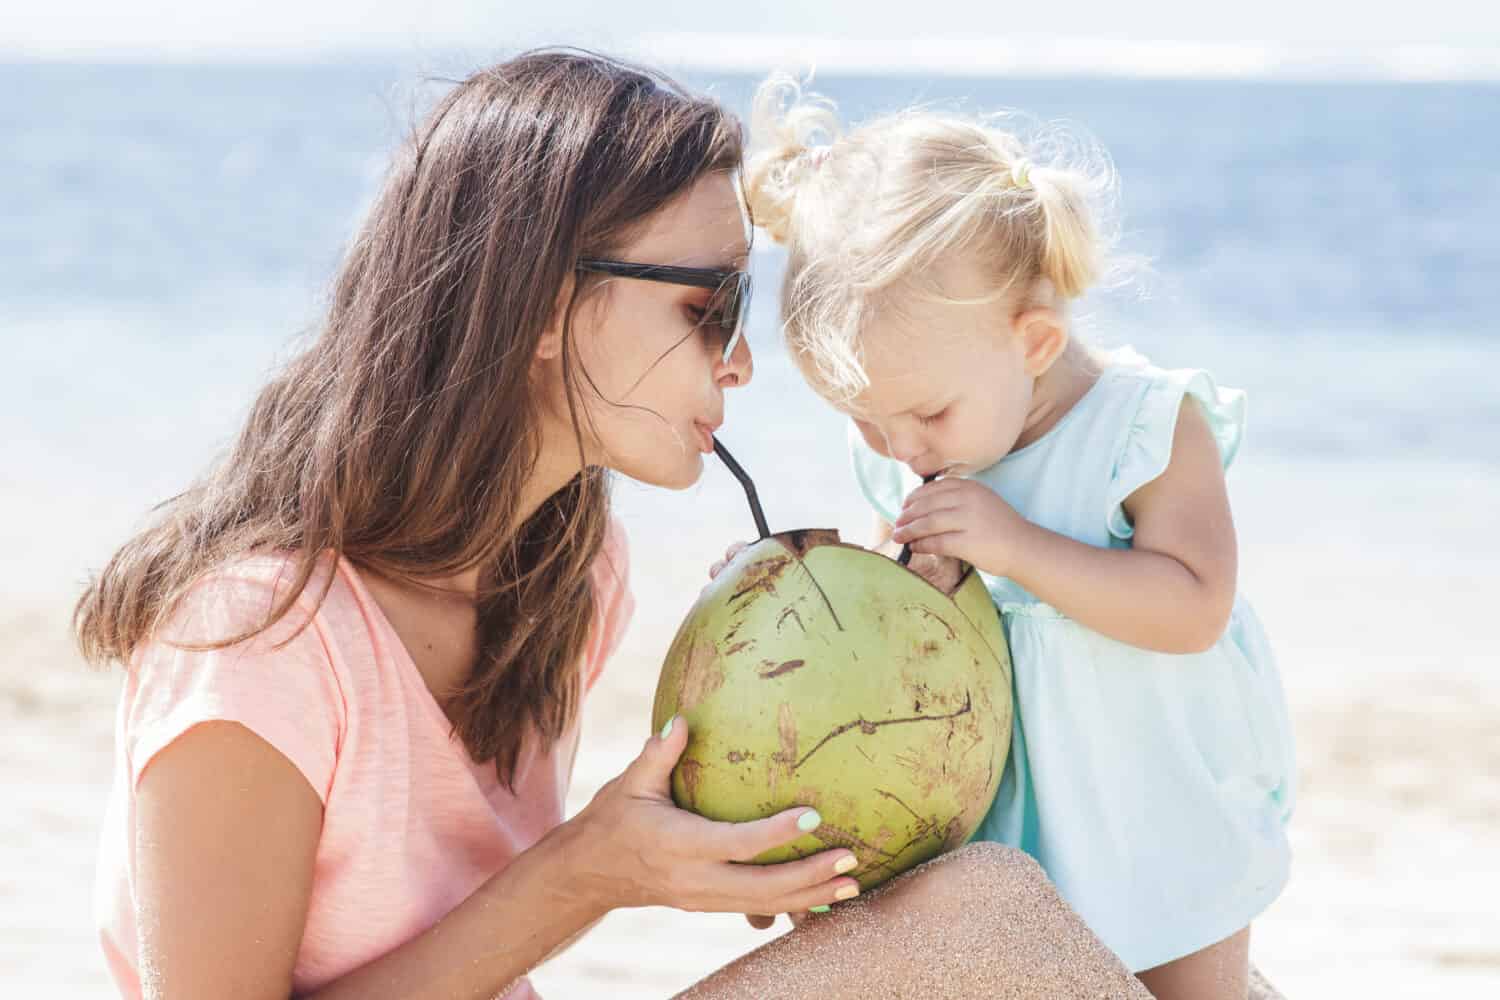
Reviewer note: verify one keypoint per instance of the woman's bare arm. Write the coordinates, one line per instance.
(227, 832)
(227, 829)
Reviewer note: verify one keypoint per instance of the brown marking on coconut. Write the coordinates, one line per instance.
(786, 729)
(868, 727)
(784, 761)
(703, 675)
(770, 668)
(692, 774)
(933, 615)
(761, 576)
(739, 756)
(804, 540)
(835, 836)
(739, 647)
(790, 612)
(897, 799)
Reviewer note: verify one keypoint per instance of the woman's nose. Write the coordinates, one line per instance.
(738, 369)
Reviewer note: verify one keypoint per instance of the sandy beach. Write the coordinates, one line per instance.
(1383, 648)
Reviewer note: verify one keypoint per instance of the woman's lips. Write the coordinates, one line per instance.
(705, 435)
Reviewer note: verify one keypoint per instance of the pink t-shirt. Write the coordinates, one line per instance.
(411, 825)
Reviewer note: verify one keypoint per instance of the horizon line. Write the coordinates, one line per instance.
(736, 52)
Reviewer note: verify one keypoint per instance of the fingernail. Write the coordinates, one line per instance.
(846, 892)
(844, 864)
(667, 729)
(817, 909)
(809, 820)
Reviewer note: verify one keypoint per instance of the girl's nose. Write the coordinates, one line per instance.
(903, 447)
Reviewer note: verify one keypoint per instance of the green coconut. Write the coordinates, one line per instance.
(820, 674)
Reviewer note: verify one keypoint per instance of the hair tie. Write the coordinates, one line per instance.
(1020, 173)
(817, 155)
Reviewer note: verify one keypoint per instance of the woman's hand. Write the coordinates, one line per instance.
(634, 847)
(761, 922)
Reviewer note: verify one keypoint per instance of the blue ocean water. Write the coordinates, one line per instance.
(167, 231)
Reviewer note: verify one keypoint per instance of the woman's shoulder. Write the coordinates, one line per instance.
(222, 654)
(244, 593)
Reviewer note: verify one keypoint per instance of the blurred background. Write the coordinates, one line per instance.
(1315, 185)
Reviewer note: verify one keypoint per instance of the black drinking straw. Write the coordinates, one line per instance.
(744, 478)
(905, 556)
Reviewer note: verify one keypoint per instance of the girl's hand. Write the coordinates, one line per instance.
(634, 847)
(964, 519)
(943, 572)
(729, 555)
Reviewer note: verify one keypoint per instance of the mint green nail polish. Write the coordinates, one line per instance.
(667, 729)
(817, 909)
(809, 820)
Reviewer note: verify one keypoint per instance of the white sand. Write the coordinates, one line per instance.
(1376, 584)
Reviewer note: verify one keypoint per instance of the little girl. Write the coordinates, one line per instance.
(932, 262)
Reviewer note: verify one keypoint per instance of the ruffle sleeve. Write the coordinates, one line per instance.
(883, 481)
(1146, 444)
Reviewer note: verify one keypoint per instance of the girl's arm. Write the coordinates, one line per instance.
(1171, 592)
(226, 835)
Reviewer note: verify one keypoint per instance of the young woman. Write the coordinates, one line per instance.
(356, 648)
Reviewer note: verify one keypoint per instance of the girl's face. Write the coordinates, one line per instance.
(651, 360)
(950, 385)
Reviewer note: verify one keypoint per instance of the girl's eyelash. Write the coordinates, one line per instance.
(934, 418)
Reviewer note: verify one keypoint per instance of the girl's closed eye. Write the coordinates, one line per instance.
(933, 418)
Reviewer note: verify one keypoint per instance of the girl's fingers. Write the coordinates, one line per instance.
(927, 505)
(936, 488)
(729, 554)
(945, 544)
(936, 523)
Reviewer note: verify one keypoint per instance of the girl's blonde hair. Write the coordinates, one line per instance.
(865, 214)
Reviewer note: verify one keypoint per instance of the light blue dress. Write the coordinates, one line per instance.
(1153, 788)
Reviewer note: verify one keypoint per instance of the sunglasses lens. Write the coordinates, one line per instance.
(733, 315)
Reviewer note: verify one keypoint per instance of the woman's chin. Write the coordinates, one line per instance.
(679, 475)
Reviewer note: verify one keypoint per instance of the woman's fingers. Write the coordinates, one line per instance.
(650, 774)
(768, 887)
(743, 841)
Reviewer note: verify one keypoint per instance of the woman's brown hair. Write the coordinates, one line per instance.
(402, 437)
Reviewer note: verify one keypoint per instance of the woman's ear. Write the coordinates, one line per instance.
(549, 347)
(1044, 337)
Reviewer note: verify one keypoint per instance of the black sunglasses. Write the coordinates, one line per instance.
(730, 301)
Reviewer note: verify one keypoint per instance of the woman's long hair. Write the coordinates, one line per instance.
(403, 437)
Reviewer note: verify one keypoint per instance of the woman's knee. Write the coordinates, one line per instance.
(982, 873)
(981, 876)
